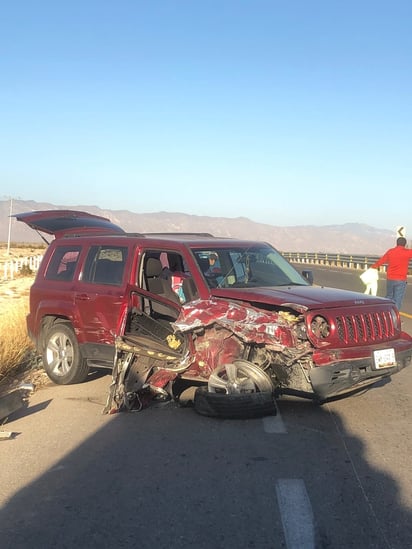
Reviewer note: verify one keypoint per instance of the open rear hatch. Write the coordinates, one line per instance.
(68, 222)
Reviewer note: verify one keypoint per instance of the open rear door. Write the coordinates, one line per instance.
(65, 222)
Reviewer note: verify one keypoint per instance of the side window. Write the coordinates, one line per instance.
(105, 265)
(63, 263)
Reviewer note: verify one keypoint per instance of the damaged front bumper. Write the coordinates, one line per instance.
(349, 375)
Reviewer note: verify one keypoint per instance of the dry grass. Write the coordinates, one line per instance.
(16, 348)
(19, 250)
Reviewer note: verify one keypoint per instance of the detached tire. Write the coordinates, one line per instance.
(234, 406)
(62, 359)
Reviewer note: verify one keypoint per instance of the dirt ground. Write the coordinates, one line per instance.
(18, 288)
(12, 291)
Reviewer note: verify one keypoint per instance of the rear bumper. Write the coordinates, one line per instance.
(346, 376)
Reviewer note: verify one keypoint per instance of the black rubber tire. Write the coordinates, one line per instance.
(62, 359)
(234, 406)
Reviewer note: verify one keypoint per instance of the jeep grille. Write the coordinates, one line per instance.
(365, 328)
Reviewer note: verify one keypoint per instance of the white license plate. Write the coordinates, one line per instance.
(385, 358)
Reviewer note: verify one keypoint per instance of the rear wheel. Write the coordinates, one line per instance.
(62, 359)
(237, 390)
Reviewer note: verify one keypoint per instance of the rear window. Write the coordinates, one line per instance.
(63, 263)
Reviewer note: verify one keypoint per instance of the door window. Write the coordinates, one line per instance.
(105, 265)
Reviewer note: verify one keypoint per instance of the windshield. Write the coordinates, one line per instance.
(256, 266)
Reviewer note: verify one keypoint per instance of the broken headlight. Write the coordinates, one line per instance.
(301, 332)
(320, 327)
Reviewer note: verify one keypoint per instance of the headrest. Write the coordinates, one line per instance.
(153, 267)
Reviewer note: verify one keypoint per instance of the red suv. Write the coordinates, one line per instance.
(230, 318)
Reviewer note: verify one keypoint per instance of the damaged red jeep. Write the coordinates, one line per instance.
(226, 324)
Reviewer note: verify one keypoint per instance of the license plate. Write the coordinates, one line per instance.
(385, 358)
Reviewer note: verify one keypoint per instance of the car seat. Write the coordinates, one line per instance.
(156, 284)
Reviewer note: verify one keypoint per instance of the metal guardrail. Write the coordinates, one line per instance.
(345, 261)
(332, 260)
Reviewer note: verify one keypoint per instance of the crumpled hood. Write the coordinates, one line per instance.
(307, 297)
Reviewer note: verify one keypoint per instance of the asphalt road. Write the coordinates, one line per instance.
(331, 476)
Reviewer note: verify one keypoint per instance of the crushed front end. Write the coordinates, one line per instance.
(311, 354)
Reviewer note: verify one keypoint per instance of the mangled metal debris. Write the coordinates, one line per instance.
(15, 400)
(210, 345)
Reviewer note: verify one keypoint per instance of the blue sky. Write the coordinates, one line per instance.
(285, 112)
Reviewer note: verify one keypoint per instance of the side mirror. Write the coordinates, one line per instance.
(308, 275)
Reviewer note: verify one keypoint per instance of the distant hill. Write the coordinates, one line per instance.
(349, 238)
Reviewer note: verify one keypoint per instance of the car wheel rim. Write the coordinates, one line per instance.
(239, 377)
(59, 354)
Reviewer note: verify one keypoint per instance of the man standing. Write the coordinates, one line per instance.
(397, 261)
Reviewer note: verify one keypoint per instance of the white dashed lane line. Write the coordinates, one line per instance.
(293, 501)
(274, 424)
(296, 513)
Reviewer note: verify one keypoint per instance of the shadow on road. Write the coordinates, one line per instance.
(169, 478)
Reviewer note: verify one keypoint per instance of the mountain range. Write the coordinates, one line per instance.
(348, 238)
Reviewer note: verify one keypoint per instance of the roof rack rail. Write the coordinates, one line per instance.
(179, 234)
(102, 232)
(97, 232)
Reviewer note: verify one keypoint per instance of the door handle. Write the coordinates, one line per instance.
(82, 297)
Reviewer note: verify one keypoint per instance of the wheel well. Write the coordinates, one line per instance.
(47, 323)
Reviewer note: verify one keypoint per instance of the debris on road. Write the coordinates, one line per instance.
(15, 400)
